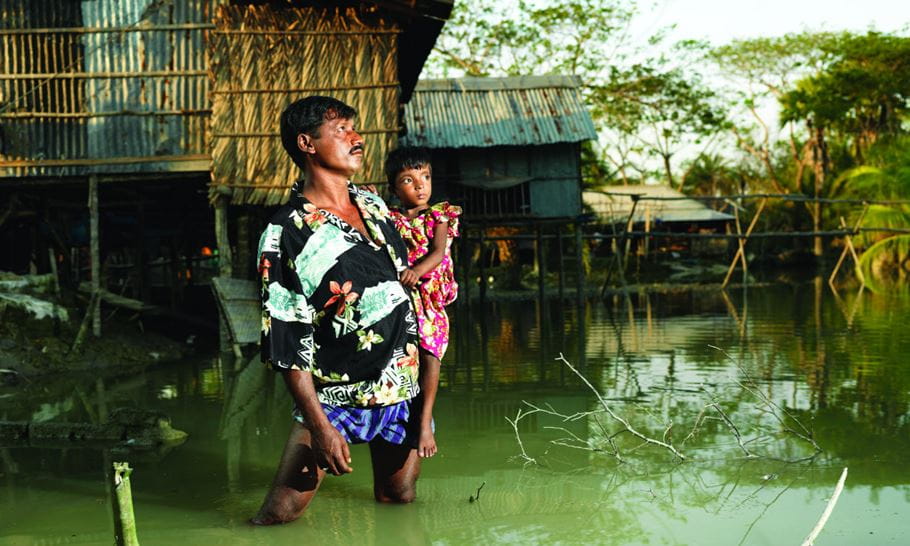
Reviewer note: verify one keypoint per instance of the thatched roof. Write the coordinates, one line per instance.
(614, 204)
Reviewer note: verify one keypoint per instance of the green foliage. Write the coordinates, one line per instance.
(649, 105)
(862, 93)
(885, 264)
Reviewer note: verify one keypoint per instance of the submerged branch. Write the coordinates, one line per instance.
(828, 509)
(616, 417)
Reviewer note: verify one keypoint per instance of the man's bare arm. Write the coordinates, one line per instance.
(328, 443)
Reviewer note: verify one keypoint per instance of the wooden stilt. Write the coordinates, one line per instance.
(225, 256)
(225, 262)
(541, 265)
(646, 245)
(244, 256)
(561, 261)
(741, 251)
(848, 247)
(579, 265)
(95, 249)
(141, 268)
(124, 517)
(480, 265)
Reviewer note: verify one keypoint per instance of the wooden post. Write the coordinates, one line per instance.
(848, 247)
(225, 262)
(95, 249)
(646, 245)
(541, 264)
(464, 250)
(741, 251)
(124, 517)
(52, 257)
(579, 265)
(244, 256)
(141, 267)
(480, 266)
(225, 256)
(559, 253)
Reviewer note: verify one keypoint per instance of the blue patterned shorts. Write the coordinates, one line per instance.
(359, 425)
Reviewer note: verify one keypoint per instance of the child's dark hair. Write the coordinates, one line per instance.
(307, 116)
(406, 157)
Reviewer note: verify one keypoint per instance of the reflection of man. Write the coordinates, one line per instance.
(336, 322)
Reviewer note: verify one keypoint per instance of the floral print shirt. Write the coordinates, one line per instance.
(332, 304)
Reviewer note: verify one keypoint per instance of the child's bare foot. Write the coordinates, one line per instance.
(426, 444)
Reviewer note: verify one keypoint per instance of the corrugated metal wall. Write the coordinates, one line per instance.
(78, 94)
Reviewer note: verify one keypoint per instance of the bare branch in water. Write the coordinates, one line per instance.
(514, 422)
(616, 417)
(733, 429)
(828, 509)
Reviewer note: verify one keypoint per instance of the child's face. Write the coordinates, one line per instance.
(414, 186)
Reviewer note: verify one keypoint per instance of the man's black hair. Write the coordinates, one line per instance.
(307, 116)
(406, 157)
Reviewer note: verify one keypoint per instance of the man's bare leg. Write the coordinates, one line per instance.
(395, 471)
(295, 483)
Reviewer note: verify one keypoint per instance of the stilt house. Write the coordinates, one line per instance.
(157, 113)
(508, 149)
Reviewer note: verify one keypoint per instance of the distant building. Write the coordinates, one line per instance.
(658, 208)
(507, 149)
(657, 204)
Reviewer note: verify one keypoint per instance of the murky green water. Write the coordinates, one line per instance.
(785, 357)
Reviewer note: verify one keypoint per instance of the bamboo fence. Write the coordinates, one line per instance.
(262, 59)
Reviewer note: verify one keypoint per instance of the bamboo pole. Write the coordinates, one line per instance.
(103, 75)
(579, 266)
(84, 115)
(125, 518)
(316, 89)
(93, 304)
(272, 134)
(103, 161)
(541, 265)
(95, 249)
(276, 32)
(848, 247)
(105, 30)
(225, 256)
(742, 238)
(562, 263)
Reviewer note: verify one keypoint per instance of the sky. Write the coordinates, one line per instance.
(720, 21)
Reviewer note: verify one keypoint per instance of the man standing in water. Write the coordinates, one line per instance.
(336, 321)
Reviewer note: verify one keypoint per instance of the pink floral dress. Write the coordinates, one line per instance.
(438, 288)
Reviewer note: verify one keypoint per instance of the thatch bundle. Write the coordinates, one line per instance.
(262, 59)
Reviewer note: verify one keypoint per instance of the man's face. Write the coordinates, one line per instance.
(338, 148)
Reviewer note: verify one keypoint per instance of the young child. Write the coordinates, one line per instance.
(428, 232)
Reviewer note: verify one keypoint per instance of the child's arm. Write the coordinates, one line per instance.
(437, 250)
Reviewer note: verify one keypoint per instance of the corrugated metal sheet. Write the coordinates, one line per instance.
(178, 129)
(615, 204)
(484, 112)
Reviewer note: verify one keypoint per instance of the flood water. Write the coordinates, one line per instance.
(733, 372)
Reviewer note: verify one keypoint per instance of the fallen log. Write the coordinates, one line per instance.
(127, 428)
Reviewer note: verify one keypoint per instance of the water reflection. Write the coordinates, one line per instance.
(834, 362)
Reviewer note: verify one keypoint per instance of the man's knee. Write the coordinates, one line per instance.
(399, 494)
